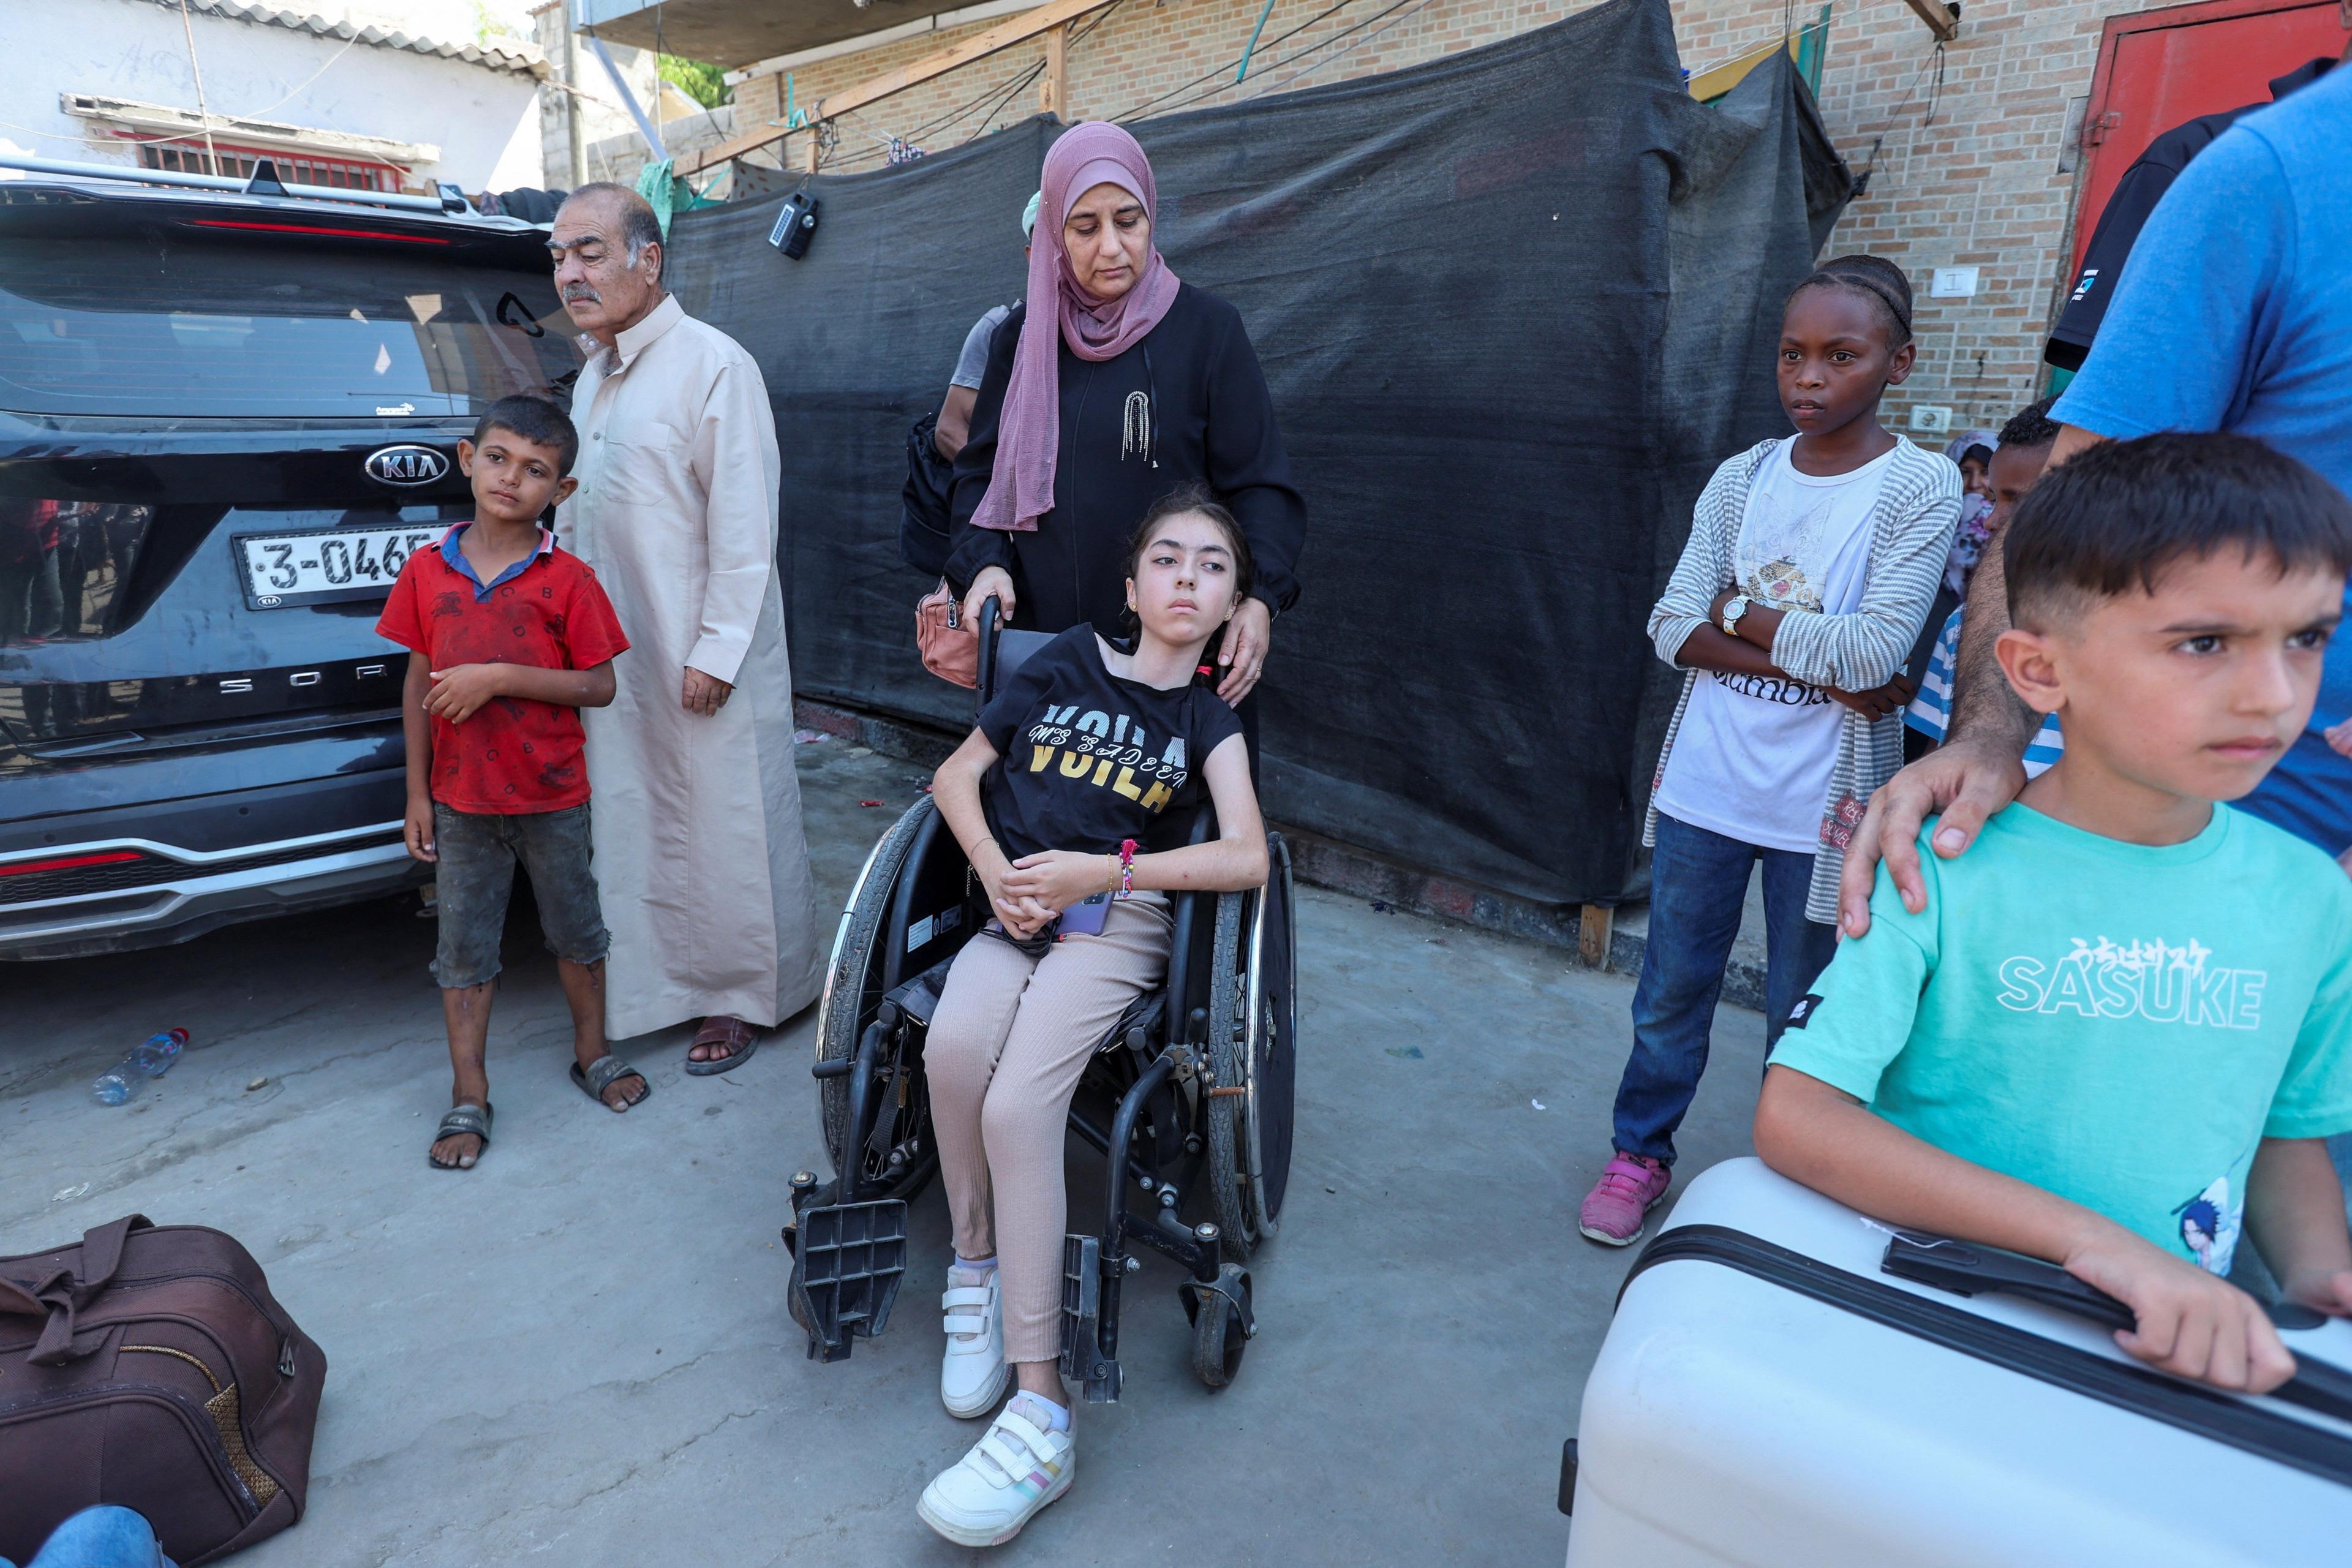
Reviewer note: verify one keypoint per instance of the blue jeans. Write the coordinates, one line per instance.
(101, 1538)
(1698, 886)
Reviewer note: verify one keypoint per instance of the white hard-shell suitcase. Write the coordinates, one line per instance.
(1768, 1397)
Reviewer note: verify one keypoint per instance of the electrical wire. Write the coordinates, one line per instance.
(1228, 67)
(202, 113)
(1301, 53)
(951, 116)
(996, 95)
(1301, 75)
(1935, 61)
(1017, 85)
(1097, 20)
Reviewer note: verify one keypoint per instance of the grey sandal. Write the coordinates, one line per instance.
(473, 1119)
(600, 1074)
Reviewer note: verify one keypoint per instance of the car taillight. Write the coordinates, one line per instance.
(319, 228)
(71, 862)
(65, 566)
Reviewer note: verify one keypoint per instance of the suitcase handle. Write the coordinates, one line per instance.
(62, 1292)
(1967, 1269)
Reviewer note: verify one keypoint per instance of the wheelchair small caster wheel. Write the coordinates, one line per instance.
(793, 1299)
(1220, 1332)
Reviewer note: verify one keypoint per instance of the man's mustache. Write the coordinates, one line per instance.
(574, 292)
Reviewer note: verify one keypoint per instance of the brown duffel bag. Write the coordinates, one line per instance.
(149, 1366)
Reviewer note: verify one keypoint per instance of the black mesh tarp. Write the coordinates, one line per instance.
(1514, 305)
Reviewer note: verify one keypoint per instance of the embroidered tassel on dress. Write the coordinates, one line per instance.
(1135, 433)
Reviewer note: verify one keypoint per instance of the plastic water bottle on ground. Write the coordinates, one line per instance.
(156, 1054)
(153, 1057)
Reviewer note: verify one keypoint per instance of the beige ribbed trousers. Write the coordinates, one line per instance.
(1007, 1046)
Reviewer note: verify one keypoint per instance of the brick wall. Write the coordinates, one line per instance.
(1976, 182)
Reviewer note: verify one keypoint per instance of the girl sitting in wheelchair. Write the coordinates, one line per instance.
(1084, 750)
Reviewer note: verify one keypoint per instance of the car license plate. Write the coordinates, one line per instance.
(328, 566)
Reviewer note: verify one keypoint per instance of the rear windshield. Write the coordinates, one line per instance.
(167, 322)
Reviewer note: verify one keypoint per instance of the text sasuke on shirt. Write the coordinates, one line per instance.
(1088, 759)
(2119, 1024)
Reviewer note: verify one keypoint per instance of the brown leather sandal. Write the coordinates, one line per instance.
(739, 1038)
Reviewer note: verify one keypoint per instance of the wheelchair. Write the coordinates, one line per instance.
(1201, 1074)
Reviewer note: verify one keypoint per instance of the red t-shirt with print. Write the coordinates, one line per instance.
(512, 755)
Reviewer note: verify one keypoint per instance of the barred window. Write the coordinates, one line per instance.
(293, 168)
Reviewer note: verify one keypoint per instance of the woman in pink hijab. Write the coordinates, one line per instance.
(1113, 384)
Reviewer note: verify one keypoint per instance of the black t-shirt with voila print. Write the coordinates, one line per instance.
(1087, 759)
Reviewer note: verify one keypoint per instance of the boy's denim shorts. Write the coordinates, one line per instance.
(475, 873)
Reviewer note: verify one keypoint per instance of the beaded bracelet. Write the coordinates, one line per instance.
(1126, 868)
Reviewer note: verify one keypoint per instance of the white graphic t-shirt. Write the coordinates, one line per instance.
(1753, 758)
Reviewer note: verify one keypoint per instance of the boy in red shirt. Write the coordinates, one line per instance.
(508, 635)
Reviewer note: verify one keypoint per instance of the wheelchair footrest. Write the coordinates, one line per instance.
(847, 1262)
(1083, 1361)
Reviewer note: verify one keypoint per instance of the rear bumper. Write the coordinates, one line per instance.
(193, 891)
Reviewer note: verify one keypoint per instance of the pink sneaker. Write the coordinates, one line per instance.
(1627, 1189)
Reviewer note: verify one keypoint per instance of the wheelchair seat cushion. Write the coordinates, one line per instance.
(920, 998)
(1145, 1013)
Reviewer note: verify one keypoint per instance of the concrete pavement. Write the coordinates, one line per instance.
(578, 1352)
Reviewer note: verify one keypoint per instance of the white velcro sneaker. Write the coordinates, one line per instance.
(974, 1374)
(1016, 1470)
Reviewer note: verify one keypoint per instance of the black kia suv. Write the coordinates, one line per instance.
(227, 416)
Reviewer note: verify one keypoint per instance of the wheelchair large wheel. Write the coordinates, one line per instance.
(1252, 1025)
(900, 1157)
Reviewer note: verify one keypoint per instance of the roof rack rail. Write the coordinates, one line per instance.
(264, 182)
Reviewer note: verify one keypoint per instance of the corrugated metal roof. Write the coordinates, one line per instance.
(498, 54)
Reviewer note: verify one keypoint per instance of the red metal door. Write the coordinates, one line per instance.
(2158, 68)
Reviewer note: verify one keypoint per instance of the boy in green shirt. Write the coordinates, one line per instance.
(2122, 1026)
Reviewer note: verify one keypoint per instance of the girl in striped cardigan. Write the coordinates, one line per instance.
(1809, 568)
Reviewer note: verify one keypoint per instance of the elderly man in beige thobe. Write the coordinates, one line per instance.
(698, 850)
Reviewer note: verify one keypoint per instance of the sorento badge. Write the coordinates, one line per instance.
(406, 465)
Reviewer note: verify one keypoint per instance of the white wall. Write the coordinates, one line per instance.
(483, 121)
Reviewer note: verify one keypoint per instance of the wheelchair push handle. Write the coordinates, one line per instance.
(987, 625)
(1967, 1269)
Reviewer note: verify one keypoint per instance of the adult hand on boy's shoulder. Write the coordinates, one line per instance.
(1966, 781)
(459, 693)
(2192, 1323)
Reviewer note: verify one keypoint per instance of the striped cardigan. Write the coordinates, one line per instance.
(1911, 533)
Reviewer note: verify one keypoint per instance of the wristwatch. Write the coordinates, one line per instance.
(1735, 608)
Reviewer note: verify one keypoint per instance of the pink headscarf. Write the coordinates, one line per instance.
(1029, 429)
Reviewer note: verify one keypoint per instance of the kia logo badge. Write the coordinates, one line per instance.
(406, 466)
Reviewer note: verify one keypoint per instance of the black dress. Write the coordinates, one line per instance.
(1187, 404)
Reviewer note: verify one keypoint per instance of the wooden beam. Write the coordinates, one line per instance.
(1054, 92)
(979, 45)
(1940, 18)
(1595, 925)
(1717, 80)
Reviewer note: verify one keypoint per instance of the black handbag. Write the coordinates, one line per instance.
(923, 525)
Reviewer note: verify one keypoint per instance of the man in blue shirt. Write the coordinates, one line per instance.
(2235, 314)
